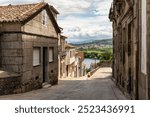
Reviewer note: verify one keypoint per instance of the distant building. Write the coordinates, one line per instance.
(70, 60)
(72, 65)
(62, 57)
(29, 37)
(81, 67)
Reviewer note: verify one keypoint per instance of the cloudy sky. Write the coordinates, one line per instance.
(82, 20)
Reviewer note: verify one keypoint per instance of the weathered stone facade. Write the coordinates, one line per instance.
(81, 64)
(62, 57)
(131, 45)
(18, 39)
(71, 61)
(123, 15)
(9, 83)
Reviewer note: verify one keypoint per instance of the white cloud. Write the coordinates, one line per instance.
(70, 6)
(103, 7)
(91, 26)
(7, 2)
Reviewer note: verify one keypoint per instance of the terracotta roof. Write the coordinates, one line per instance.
(69, 46)
(13, 13)
(21, 13)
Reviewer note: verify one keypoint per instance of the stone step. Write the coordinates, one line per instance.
(46, 85)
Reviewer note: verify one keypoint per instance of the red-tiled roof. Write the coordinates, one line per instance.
(21, 13)
(13, 13)
(69, 46)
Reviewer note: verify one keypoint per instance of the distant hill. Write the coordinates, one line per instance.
(94, 42)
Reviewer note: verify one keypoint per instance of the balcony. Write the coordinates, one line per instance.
(69, 61)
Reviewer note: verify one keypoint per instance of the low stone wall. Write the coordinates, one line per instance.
(53, 79)
(89, 74)
(106, 64)
(29, 86)
(9, 83)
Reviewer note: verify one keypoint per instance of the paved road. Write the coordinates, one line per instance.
(98, 87)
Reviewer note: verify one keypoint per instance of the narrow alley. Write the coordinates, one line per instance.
(98, 87)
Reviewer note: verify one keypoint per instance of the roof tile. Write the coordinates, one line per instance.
(17, 13)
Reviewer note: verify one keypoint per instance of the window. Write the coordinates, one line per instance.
(51, 54)
(44, 18)
(129, 39)
(70, 54)
(36, 56)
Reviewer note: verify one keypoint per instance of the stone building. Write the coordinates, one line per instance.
(70, 60)
(131, 59)
(28, 47)
(62, 57)
(73, 65)
(81, 65)
(125, 65)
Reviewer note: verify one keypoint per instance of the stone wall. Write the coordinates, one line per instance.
(16, 46)
(11, 52)
(142, 86)
(12, 84)
(9, 83)
(89, 74)
(36, 72)
(35, 26)
(17, 56)
(131, 63)
(125, 40)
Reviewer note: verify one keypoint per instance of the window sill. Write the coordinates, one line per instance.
(36, 65)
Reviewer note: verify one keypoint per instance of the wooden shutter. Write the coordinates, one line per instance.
(36, 56)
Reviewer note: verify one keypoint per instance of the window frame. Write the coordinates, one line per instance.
(39, 62)
(44, 18)
(51, 61)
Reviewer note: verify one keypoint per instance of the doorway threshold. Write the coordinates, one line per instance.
(46, 85)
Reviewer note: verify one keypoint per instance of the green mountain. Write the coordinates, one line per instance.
(95, 42)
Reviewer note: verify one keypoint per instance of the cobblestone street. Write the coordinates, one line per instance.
(98, 87)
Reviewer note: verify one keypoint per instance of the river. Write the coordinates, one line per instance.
(89, 61)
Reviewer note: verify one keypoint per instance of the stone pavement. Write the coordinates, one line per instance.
(98, 87)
